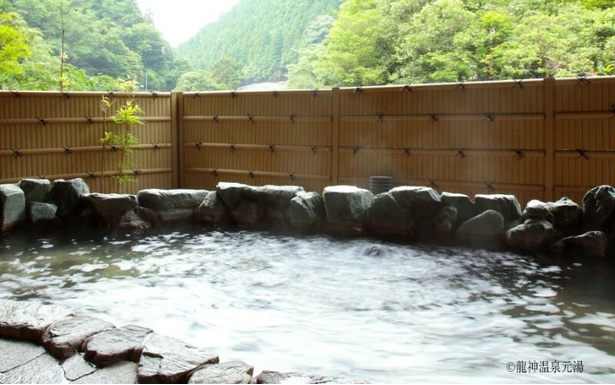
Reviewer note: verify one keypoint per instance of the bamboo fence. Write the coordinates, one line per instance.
(56, 135)
(536, 139)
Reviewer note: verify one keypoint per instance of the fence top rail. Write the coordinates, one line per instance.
(587, 80)
(460, 86)
(274, 93)
(94, 94)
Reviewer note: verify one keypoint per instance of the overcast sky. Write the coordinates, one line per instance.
(179, 20)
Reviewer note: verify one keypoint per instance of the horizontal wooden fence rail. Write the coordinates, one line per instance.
(537, 139)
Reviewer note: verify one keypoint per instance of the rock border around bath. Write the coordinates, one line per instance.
(409, 214)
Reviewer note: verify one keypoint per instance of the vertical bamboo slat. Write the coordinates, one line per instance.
(549, 138)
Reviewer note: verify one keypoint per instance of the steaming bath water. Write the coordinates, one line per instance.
(360, 308)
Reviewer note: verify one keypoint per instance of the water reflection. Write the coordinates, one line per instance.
(363, 308)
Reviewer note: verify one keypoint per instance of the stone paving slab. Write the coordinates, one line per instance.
(168, 360)
(27, 321)
(124, 372)
(42, 370)
(122, 344)
(272, 377)
(14, 354)
(63, 338)
(76, 367)
(234, 372)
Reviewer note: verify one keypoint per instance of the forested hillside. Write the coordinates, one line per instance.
(90, 44)
(419, 41)
(260, 36)
(100, 41)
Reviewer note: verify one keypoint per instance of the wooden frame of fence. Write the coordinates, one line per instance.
(536, 139)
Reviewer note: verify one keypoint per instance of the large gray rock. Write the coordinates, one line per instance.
(28, 321)
(66, 194)
(132, 220)
(274, 199)
(307, 211)
(35, 190)
(598, 205)
(235, 372)
(539, 210)
(591, 243)
(109, 208)
(424, 202)
(212, 210)
(387, 218)
(444, 223)
(421, 203)
(157, 199)
(172, 205)
(168, 360)
(231, 193)
(121, 344)
(63, 338)
(175, 215)
(42, 370)
(567, 215)
(39, 211)
(531, 236)
(466, 208)
(346, 208)
(507, 205)
(17, 353)
(247, 214)
(272, 377)
(12, 206)
(111, 204)
(484, 230)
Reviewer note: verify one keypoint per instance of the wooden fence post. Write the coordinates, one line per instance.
(335, 136)
(176, 127)
(549, 130)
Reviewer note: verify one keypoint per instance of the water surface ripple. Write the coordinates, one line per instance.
(362, 308)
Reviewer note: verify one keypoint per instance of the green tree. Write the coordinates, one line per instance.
(103, 38)
(353, 49)
(196, 81)
(432, 47)
(14, 47)
(227, 73)
(601, 4)
(303, 74)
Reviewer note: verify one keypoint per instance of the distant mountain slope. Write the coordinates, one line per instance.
(263, 36)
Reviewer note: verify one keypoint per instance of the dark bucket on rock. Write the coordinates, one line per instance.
(380, 184)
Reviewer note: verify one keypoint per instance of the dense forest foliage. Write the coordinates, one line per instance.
(419, 41)
(82, 45)
(110, 44)
(260, 37)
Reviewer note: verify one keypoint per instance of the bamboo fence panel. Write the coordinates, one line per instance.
(536, 139)
(584, 135)
(256, 138)
(57, 135)
(475, 137)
